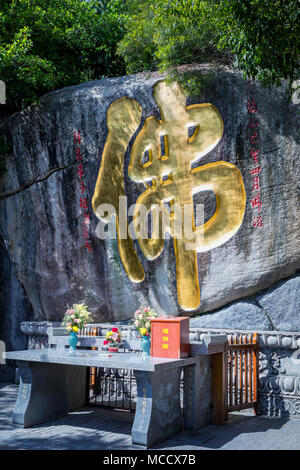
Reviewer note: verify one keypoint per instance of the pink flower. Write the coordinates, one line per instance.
(146, 309)
(115, 330)
(75, 320)
(137, 312)
(105, 342)
(72, 311)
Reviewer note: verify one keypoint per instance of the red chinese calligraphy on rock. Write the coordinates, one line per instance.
(83, 203)
(253, 124)
(80, 171)
(256, 202)
(88, 246)
(255, 171)
(77, 154)
(253, 127)
(252, 106)
(82, 188)
(77, 138)
(255, 183)
(86, 218)
(254, 153)
(253, 138)
(257, 221)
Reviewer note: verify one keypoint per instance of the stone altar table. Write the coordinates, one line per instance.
(43, 392)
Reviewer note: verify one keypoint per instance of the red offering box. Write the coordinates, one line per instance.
(170, 337)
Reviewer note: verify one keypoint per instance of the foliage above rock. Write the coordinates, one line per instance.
(50, 44)
(261, 37)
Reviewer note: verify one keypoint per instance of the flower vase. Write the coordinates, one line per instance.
(113, 347)
(73, 340)
(146, 345)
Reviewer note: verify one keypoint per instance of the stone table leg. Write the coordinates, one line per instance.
(158, 413)
(76, 383)
(197, 380)
(42, 393)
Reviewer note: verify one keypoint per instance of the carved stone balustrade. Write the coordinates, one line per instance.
(279, 360)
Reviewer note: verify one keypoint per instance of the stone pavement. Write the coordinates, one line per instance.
(96, 428)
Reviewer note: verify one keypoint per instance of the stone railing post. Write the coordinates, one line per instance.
(36, 333)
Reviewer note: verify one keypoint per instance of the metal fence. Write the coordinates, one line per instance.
(115, 388)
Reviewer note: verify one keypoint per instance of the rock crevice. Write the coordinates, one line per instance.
(38, 179)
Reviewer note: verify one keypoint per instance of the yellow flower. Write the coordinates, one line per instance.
(75, 328)
(143, 331)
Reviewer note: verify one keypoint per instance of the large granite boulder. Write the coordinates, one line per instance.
(241, 314)
(277, 308)
(282, 304)
(15, 308)
(41, 219)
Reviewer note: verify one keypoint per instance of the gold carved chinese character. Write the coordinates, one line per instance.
(161, 158)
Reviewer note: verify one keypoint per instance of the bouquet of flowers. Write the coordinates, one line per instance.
(113, 337)
(142, 320)
(76, 317)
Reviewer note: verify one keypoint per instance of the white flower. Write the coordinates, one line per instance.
(137, 322)
(148, 324)
(140, 316)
